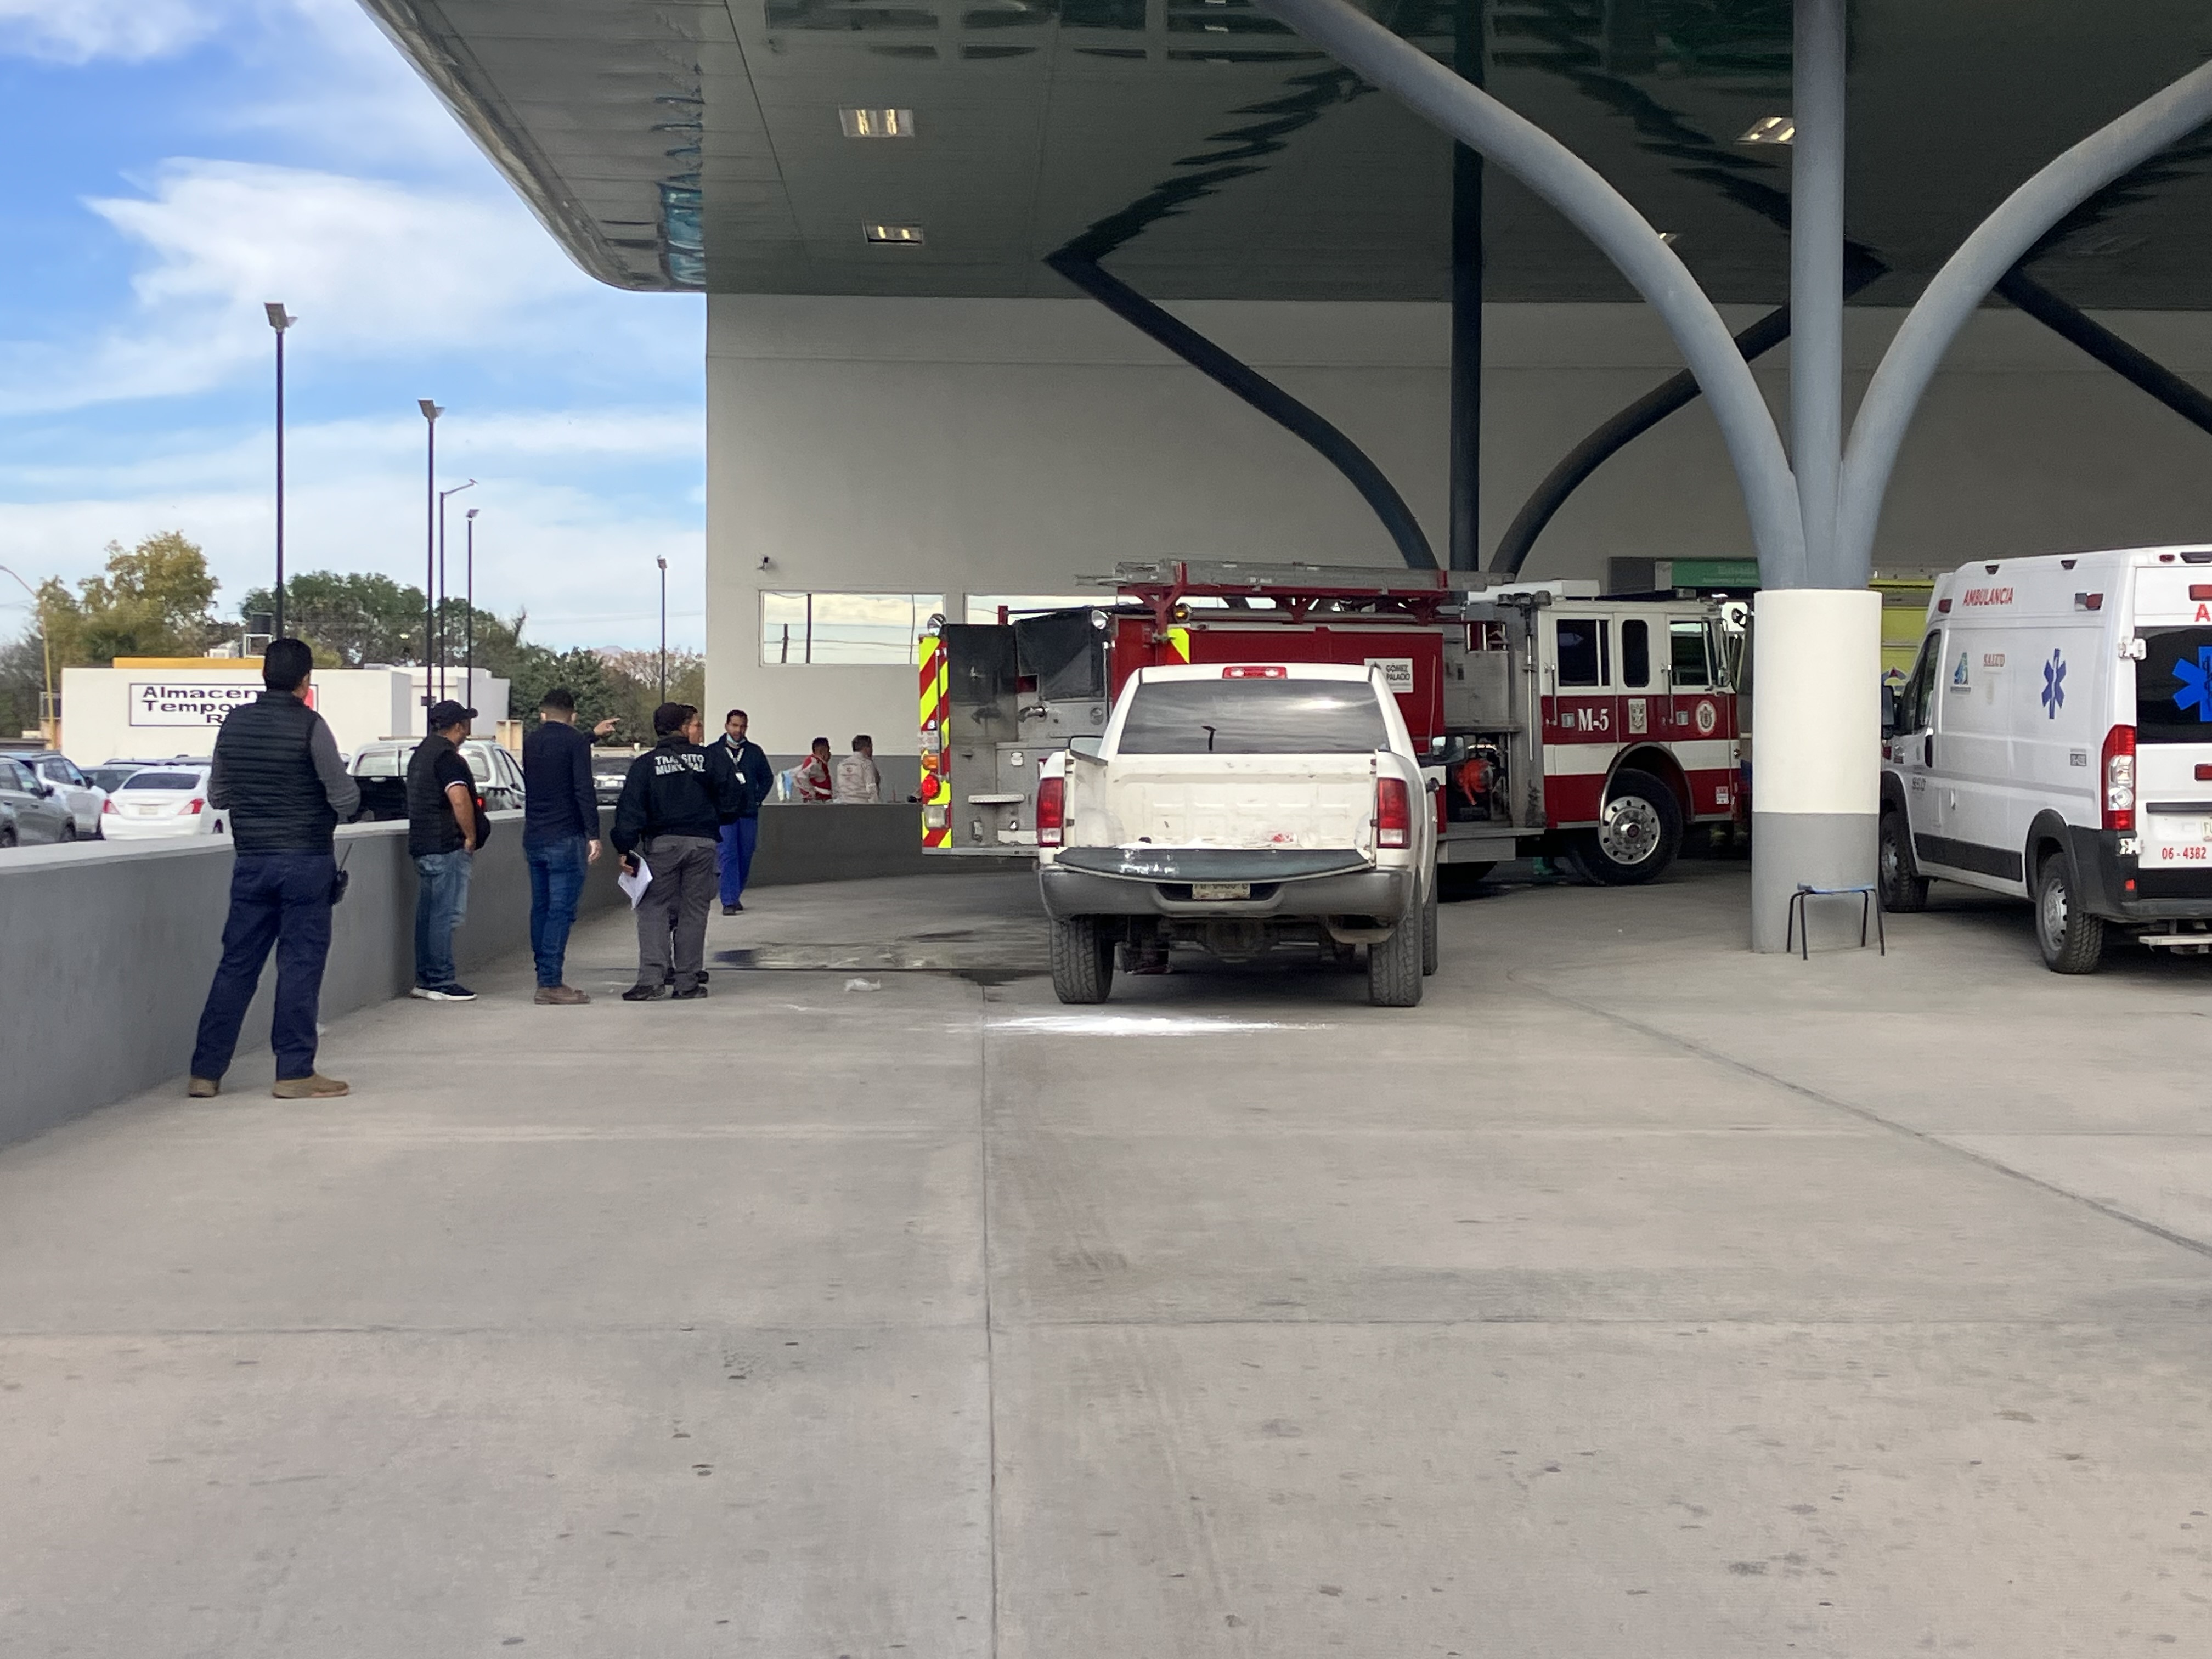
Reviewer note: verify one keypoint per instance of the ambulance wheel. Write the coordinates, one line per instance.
(1082, 960)
(1429, 949)
(1394, 967)
(1639, 830)
(1904, 889)
(2072, 941)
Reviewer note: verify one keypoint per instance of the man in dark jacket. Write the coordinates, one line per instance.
(559, 834)
(443, 836)
(742, 833)
(278, 774)
(673, 806)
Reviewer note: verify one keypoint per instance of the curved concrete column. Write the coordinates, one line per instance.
(1996, 245)
(1602, 213)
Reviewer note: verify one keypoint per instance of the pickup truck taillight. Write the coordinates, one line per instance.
(2120, 773)
(1051, 810)
(1393, 813)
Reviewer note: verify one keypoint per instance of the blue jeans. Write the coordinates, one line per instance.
(556, 880)
(282, 899)
(739, 837)
(441, 899)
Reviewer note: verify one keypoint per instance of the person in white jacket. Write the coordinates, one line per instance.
(859, 781)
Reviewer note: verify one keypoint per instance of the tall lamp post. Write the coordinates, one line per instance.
(280, 319)
(49, 726)
(430, 413)
(663, 563)
(443, 654)
(469, 605)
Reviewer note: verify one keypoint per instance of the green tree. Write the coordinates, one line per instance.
(151, 601)
(358, 619)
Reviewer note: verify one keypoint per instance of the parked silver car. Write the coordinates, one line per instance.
(84, 797)
(36, 811)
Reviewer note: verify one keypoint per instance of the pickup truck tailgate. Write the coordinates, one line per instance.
(1208, 800)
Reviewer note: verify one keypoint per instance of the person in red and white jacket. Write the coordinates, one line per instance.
(812, 779)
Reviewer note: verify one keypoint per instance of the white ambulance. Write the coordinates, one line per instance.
(2054, 742)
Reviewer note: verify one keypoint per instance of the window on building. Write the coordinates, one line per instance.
(984, 607)
(844, 627)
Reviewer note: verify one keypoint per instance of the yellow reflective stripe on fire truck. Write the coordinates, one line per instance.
(1178, 641)
(935, 683)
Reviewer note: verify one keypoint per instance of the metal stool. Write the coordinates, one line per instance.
(1797, 930)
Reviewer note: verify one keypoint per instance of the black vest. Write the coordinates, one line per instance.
(278, 803)
(431, 825)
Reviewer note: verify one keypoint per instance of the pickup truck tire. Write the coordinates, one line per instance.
(1641, 834)
(1394, 967)
(1429, 947)
(2071, 939)
(1082, 960)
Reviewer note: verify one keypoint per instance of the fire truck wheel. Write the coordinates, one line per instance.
(1394, 967)
(1461, 881)
(1082, 960)
(1639, 833)
(1904, 889)
(1429, 950)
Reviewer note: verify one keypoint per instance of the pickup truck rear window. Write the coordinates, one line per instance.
(2173, 686)
(1253, 717)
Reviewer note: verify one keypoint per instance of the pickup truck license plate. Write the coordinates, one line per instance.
(1220, 890)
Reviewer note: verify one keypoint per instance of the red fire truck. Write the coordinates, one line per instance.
(1594, 730)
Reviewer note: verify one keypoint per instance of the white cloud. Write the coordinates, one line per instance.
(79, 31)
(371, 268)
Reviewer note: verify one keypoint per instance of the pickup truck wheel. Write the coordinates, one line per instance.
(2072, 941)
(1394, 967)
(1082, 960)
(1429, 948)
(1639, 831)
(1904, 889)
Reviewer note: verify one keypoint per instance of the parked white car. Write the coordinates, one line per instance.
(164, 803)
(83, 797)
(1240, 808)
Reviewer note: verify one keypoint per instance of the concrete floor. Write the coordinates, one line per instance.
(1634, 1296)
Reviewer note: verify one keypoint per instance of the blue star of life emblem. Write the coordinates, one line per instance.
(2054, 685)
(2196, 679)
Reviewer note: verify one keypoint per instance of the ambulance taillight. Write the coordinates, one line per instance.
(2119, 772)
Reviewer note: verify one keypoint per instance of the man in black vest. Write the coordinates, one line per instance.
(278, 774)
(443, 834)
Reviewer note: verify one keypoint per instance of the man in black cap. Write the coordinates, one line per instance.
(442, 836)
(278, 774)
(674, 803)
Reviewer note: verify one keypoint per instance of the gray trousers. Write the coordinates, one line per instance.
(686, 869)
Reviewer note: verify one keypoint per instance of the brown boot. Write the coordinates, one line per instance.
(559, 995)
(202, 1088)
(313, 1086)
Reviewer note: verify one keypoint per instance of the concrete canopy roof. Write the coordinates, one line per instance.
(698, 144)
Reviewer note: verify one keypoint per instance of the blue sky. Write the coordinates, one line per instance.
(166, 166)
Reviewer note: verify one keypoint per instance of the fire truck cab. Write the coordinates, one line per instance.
(1590, 729)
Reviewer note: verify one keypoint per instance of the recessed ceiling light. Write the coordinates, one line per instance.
(876, 123)
(904, 235)
(1770, 129)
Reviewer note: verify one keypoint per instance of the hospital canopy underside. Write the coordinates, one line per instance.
(1210, 153)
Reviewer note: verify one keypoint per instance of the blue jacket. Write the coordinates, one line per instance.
(557, 797)
(755, 774)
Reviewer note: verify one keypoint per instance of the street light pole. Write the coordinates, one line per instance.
(49, 726)
(430, 413)
(663, 563)
(469, 605)
(443, 654)
(280, 319)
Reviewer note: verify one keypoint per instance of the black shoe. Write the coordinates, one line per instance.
(691, 995)
(668, 978)
(642, 993)
(731, 909)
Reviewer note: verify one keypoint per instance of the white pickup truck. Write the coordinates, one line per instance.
(1241, 808)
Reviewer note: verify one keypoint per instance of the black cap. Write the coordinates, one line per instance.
(449, 713)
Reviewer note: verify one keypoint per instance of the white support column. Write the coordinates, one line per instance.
(1816, 770)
